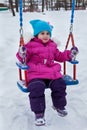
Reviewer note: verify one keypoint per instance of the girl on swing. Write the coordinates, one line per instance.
(41, 53)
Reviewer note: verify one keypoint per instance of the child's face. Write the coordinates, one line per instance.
(44, 36)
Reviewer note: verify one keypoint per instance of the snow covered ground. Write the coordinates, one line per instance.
(15, 113)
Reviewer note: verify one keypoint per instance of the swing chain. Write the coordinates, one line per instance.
(71, 28)
(21, 31)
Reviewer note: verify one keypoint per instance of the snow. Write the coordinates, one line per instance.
(15, 113)
(1, 1)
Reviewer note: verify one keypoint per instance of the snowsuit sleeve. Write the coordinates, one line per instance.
(62, 56)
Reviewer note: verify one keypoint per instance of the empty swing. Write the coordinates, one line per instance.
(23, 81)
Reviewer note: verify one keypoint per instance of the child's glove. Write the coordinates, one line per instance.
(22, 54)
(74, 52)
(22, 51)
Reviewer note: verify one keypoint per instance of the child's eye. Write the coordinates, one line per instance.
(45, 33)
(48, 34)
(42, 33)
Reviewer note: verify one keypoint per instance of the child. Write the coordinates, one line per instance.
(41, 54)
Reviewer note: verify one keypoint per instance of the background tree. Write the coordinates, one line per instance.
(11, 7)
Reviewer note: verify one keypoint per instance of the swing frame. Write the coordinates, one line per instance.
(23, 83)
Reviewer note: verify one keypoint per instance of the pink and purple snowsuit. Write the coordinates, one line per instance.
(44, 69)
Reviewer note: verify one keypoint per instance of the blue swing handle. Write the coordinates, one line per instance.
(74, 62)
(22, 66)
(25, 67)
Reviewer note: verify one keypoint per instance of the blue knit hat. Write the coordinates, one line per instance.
(39, 26)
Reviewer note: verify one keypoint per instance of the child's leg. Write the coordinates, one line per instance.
(36, 95)
(58, 94)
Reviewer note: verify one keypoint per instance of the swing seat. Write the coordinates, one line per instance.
(21, 83)
(69, 80)
(21, 86)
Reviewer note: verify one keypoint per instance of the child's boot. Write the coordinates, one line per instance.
(39, 119)
(62, 112)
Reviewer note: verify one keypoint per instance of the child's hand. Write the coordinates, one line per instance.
(74, 52)
(22, 51)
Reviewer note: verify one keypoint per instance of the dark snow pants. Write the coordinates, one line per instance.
(37, 96)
